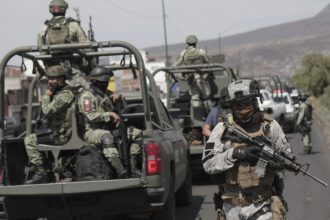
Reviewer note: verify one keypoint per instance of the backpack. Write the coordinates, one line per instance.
(92, 165)
(309, 112)
(58, 31)
(192, 56)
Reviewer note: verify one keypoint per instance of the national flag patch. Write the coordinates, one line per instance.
(87, 105)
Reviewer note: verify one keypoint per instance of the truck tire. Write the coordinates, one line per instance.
(168, 210)
(184, 194)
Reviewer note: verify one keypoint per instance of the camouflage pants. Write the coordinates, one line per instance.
(307, 141)
(200, 88)
(94, 137)
(31, 142)
(135, 136)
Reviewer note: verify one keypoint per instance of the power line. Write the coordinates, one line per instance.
(129, 11)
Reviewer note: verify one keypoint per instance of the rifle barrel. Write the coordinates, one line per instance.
(314, 178)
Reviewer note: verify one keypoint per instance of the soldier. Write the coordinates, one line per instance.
(59, 29)
(56, 105)
(199, 87)
(304, 122)
(246, 195)
(63, 30)
(217, 113)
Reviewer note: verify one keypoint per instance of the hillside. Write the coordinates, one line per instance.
(275, 49)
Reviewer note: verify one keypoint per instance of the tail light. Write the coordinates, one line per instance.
(153, 159)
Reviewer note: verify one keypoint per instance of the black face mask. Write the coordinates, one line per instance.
(100, 85)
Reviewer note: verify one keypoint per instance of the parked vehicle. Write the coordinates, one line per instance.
(275, 109)
(165, 180)
(178, 98)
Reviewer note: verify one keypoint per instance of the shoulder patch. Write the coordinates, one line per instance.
(87, 104)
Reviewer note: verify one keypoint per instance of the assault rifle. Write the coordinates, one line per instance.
(90, 30)
(268, 154)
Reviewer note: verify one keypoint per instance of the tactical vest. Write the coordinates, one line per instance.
(192, 56)
(243, 174)
(61, 123)
(58, 31)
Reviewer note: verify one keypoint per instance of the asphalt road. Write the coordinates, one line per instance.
(306, 198)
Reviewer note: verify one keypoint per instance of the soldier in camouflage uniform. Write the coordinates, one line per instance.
(246, 195)
(98, 111)
(56, 106)
(59, 29)
(63, 30)
(199, 88)
(304, 122)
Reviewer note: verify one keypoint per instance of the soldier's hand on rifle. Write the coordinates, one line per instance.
(249, 153)
(116, 118)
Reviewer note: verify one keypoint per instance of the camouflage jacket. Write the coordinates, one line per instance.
(192, 55)
(95, 109)
(218, 155)
(58, 110)
(76, 33)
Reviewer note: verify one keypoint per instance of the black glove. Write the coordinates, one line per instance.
(249, 153)
(275, 166)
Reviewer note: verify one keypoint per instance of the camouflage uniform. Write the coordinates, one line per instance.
(199, 86)
(304, 125)
(58, 111)
(246, 195)
(95, 108)
(62, 30)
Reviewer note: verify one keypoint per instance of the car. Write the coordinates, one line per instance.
(178, 99)
(165, 179)
(274, 109)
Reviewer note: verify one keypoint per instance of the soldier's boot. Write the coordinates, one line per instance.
(121, 171)
(134, 166)
(40, 176)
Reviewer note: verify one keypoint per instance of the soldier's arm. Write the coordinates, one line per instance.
(217, 156)
(78, 33)
(206, 57)
(300, 115)
(179, 60)
(278, 137)
(88, 106)
(58, 104)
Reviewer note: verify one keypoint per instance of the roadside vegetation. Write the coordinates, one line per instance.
(314, 78)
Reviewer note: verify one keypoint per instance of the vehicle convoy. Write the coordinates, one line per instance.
(165, 179)
(178, 100)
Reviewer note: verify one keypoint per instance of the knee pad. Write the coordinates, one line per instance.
(107, 140)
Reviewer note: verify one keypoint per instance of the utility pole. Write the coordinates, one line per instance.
(219, 39)
(165, 35)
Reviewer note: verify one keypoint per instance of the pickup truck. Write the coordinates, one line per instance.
(165, 179)
(178, 99)
(276, 109)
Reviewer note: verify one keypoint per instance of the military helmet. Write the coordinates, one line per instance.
(101, 73)
(191, 39)
(61, 6)
(242, 89)
(56, 71)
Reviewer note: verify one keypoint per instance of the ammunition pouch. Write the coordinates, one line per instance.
(44, 135)
(278, 208)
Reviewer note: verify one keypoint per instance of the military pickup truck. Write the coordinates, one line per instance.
(178, 99)
(165, 179)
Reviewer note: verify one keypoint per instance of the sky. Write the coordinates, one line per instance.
(140, 22)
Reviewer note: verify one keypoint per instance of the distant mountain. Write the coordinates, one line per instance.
(270, 50)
